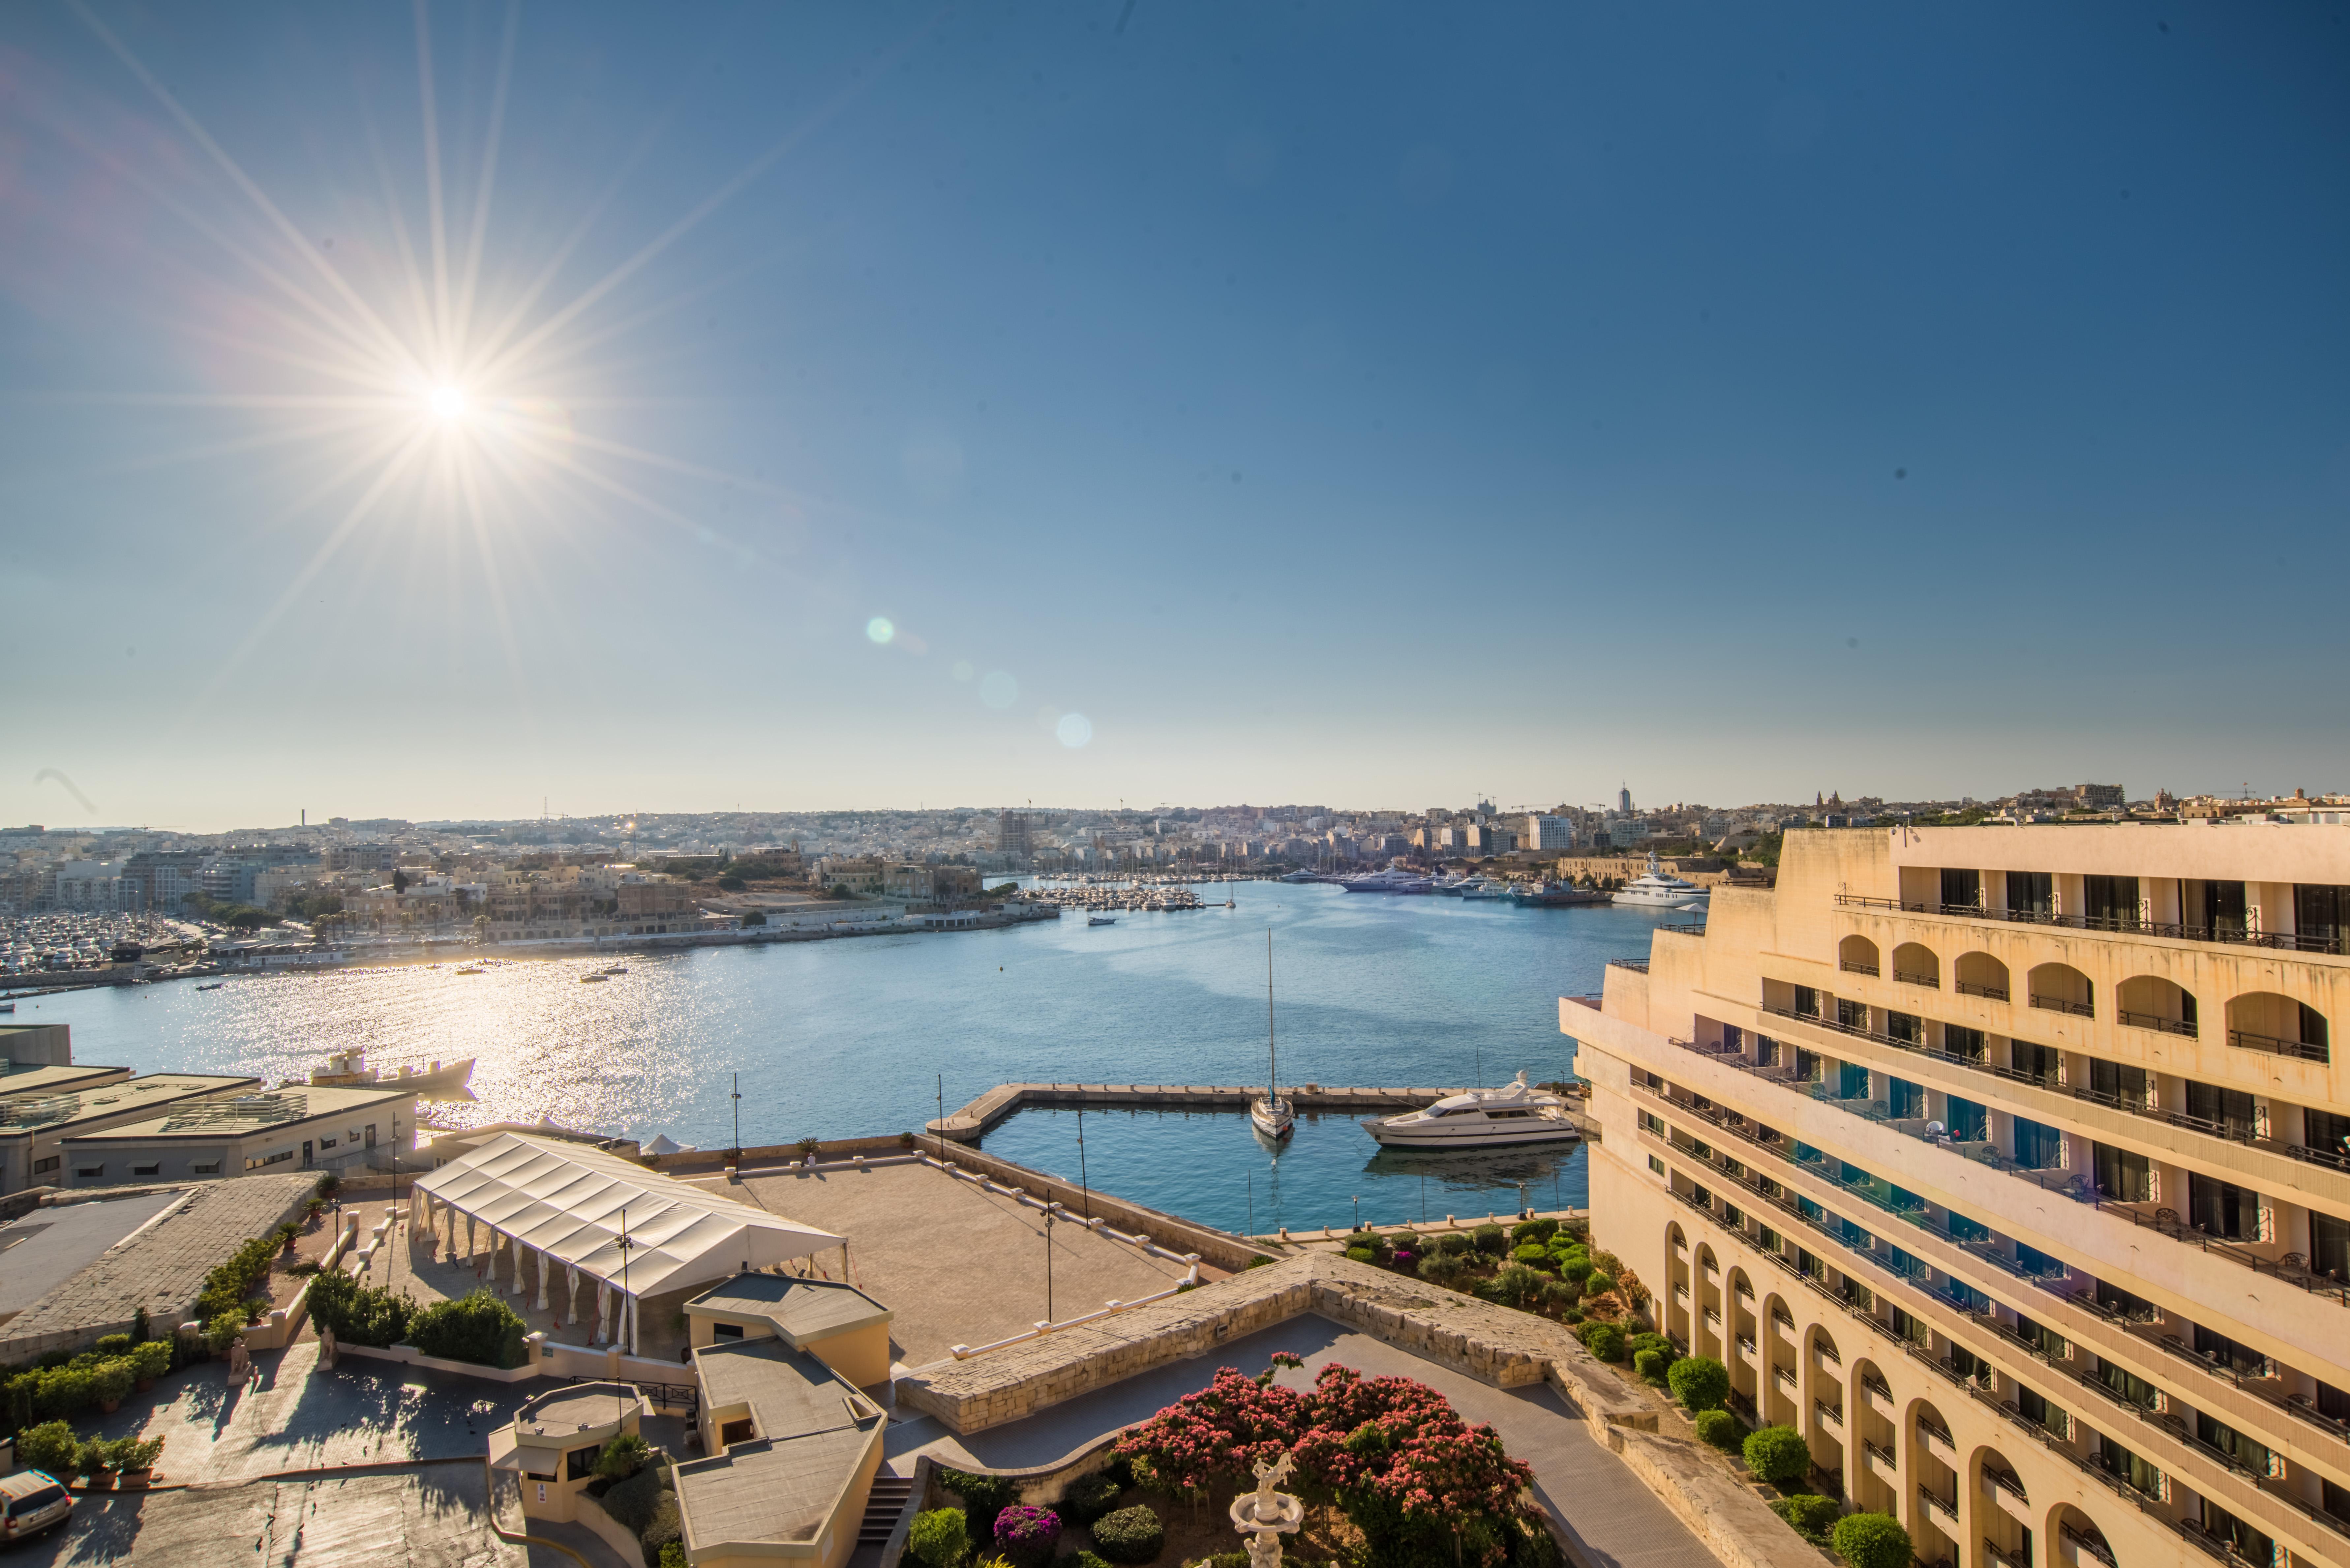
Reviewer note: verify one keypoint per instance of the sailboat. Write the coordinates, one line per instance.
(1268, 1114)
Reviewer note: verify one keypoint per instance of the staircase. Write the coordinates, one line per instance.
(884, 1508)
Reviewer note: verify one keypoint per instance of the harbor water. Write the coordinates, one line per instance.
(873, 1035)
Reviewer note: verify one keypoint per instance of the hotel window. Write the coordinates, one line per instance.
(2132, 1470)
(2228, 1109)
(204, 1167)
(2213, 1345)
(1961, 1042)
(152, 1167)
(2035, 1407)
(2111, 902)
(2038, 1147)
(2217, 1434)
(1733, 1038)
(325, 1143)
(2325, 1131)
(2222, 1209)
(1766, 1050)
(2031, 893)
(2329, 1245)
(1967, 1121)
(1906, 1100)
(2217, 908)
(87, 1172)
(2115, 1299)
(1652, 1124)
(43, 1166)
(2319, 916)
(2117, 1084)
(2041, 1063)
(1807, 1002)
(1655, 1164)
(1906, 1027)
(1852, 1081)
(1851, 1014)
(1962, 890)
(2122, 1173)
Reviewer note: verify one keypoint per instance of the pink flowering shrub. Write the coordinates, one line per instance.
(1025, 1534)
(1391, 1451)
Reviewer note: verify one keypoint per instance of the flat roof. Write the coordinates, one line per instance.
(802, 1309)
(582, 1407)
(240, 1115)
(783, 1485)
(23, 1115)
(17, 1078)
(53, 1245)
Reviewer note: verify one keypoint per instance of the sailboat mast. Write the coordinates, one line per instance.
(1272, 1062)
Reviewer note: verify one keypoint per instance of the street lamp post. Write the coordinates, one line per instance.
(1083, 1184)
(1048, 1265)
(738, 1119)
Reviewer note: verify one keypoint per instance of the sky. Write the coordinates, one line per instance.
(476, 409)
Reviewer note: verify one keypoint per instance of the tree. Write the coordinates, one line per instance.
(1778, 1455)
(1700, 1383)
(1871, 1541)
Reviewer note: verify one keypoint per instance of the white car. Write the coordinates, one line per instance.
(30, 1503)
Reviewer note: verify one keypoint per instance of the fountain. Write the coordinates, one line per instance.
(1265, 1515)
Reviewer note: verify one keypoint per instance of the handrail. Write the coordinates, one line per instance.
(1906, 977)
(2119, 925)
(1969, 988)
(2157, 1022)
(2058, 1005)
(2246, 1040)
(2094, 1546)
(1947, 1506)
(1853, 966)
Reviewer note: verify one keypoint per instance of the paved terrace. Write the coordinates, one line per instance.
(955, 1263)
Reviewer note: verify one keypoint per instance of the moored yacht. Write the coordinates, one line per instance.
(1481, 1118)
(1655, 890)
(1394, 879)
(1270, 1116)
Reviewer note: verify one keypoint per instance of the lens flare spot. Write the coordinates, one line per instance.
(448, 402)
(1074, 730)
(998, 690)
(879, 629)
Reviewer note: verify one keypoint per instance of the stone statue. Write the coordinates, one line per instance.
(326, 1347)
(1265, 1515)
(240, 1361)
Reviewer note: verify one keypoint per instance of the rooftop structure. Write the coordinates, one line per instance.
(2008, 1165)
(566, 1204)
(845, 1328)
(36, 1126)
(793, 1448)
(237, 1127)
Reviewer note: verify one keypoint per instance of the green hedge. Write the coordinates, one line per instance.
(480, 1328)
(1129, 1535)
(359, 1314)
(938, 1539)
(228, 1286)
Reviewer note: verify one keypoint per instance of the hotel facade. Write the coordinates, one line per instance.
(2008, 1165)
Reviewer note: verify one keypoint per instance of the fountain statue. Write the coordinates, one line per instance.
(1265, 1515)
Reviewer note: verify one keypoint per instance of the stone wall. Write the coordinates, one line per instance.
(1220, 1249)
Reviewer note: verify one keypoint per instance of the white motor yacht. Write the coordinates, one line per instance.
(1652, 889)
(1270, 1116)
(1481, 1118)
(1486, 887)
(1394, 879)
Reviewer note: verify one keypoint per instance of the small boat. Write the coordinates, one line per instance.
(1270, 1116)
(469, 969)
(1652, 889)
(617, 969)
(348, 1069)
(1556, 895)
(1101, 919)
(597, 979)
(7, 1007)
(213, 986)
(1481, 1118)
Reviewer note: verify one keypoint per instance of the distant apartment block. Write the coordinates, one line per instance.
(2011, 1166)
(1013, 833)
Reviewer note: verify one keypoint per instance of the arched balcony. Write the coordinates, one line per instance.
(2264, 1021)
(2150, 1002)
(2070, 1527)
(2060, 988)
(1979, 974)
(2003, 1510)
(1915, 964)
(1857, 955)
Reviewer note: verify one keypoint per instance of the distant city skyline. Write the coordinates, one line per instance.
(426, 414)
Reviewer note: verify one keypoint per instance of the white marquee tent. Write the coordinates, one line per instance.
(568, 1202)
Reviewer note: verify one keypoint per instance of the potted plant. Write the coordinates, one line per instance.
(135, 1459)
(110, 1381)
(149, 1359)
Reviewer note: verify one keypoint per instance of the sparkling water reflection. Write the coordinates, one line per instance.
(848, 1038)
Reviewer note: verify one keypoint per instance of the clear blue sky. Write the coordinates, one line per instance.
(1370, 404)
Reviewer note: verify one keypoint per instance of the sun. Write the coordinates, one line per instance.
(448, 402)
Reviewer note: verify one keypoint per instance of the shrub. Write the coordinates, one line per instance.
(1515, 1285)
(1699, 1382)
(1082, 1559)
(1604, 1340)
(360, 1314)
(1439, 1267)
(1025, 1534)
(1778, 1455)
(50, 1447)
(481, 1328)
(1811, 1514)
(984, 1497)
(1718, 1428)
(1491, 1238)
(1607, 1261)
(636, 1501)
(110, 1380)
(1258, 1261)
(1871, 1541)
(1129, 1535)
(666, 1530)
(1405, 1241)
(113, 1344)
(1575, 1266)
(228, 1285)
(120, 1453)
(1560, 1293)
(1088, 1498)
(1651, 1365)
(1538, 1232)
(1529, 1253)
(624, 1455)
(673, 1554)
(1452, 1243)
(1570, 1314)
(1361, 1254)
(938, 1539)
(150, 1360)
(1598, 1284)
(1649, 1339)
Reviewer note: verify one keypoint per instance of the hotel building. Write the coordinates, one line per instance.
(2007, 1164)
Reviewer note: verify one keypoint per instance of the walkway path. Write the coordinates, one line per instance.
(1618, 1522)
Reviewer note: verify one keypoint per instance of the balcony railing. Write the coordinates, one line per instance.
(1852, 966)
(1936, 1503)
(2120, 925)
(2094, 1546)
(2058, 1005)
(1969, 988)
(2246, 1040)
(1932, 981)
(1828, 1414)
(2157, 1022)
(1637, 965)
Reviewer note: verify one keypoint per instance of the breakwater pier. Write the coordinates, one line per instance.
(967, 1125)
